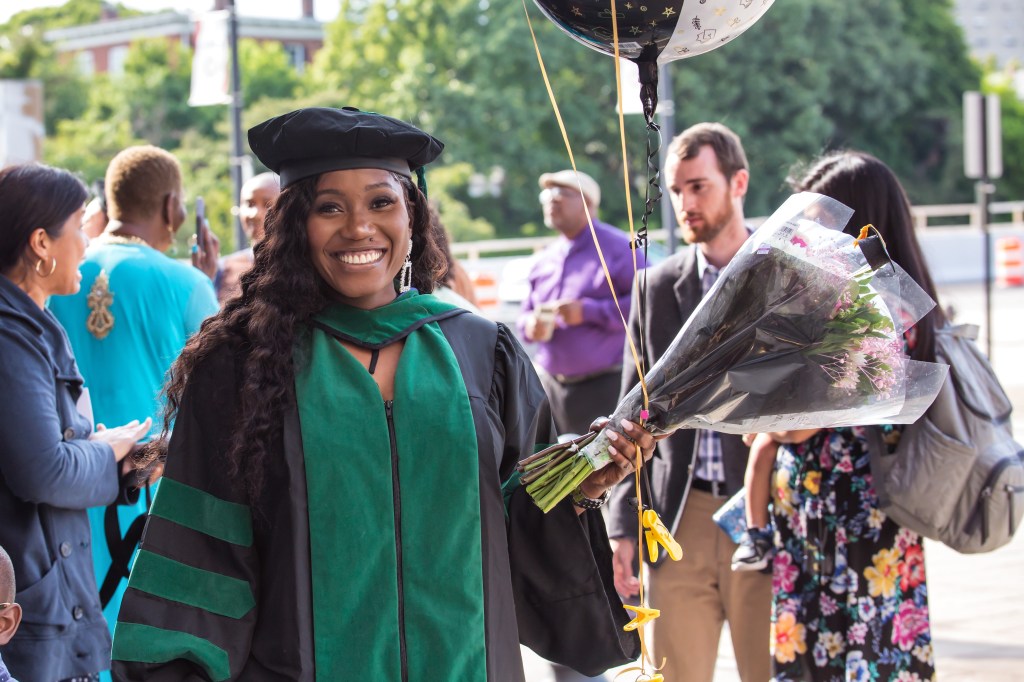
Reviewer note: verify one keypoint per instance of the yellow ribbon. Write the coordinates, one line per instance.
(660, 533)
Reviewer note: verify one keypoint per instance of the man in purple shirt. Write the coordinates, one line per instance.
(570, 312)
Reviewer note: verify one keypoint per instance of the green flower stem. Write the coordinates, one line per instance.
(540, 470)
(557, 492)
(537, 463)
(553, 471)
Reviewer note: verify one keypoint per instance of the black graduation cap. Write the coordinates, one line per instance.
(316, 140)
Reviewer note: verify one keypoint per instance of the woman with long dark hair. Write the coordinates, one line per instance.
(339, 500)
(53, 465)
(849, 598)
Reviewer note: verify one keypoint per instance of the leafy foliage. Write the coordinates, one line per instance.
(815, 75)
(811, 75)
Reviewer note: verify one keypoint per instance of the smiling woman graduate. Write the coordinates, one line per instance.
(339, 500)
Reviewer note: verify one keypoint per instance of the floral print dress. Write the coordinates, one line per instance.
(849, 597)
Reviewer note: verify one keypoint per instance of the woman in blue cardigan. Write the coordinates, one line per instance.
(53, 464)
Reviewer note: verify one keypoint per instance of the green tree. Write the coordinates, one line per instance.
(811, 75)
(24, 53)
(814, 75)
(466, 71)
(266, 71)
(154, 93)
(69, 13)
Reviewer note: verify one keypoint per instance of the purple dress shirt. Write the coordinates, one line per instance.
(569, 269)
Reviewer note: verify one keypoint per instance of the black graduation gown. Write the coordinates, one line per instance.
(547, 578)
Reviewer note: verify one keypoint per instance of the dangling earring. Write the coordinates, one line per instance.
(405, 276)
(52, 267)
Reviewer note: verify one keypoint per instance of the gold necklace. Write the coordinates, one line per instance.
(111, 238)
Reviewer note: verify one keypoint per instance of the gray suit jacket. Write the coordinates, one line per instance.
(673, 292)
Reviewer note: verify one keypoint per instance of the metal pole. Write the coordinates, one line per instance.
(666, 119)
(983, 190)
(236, 119)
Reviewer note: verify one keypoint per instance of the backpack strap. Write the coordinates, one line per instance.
(876, 450)
(121, 548)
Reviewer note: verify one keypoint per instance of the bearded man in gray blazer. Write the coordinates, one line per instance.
(694, 472)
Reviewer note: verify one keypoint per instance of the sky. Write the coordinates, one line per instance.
(325, 10)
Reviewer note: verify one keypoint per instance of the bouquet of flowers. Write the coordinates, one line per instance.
(800, 331)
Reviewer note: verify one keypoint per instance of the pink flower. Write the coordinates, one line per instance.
(905, 538)
(784, 572)
(908, 624)
(857, 633)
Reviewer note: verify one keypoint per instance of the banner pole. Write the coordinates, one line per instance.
(237, 154)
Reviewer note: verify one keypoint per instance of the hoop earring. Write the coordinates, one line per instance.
(52, 267)
(405, 276)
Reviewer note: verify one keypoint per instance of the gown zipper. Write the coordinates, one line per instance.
(396, 492)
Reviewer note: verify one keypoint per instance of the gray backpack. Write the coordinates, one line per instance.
(957, 474)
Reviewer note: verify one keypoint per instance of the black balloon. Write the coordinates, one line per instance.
(655, 31)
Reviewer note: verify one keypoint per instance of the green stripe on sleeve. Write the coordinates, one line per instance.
(147, 644)
(173, 580)
(201, 511)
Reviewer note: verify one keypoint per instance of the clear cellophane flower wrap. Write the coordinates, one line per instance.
(798, 332)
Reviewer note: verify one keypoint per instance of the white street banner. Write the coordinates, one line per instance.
(21, 122)
(211, 63)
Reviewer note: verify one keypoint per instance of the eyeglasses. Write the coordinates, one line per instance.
(550, 193)
(6, 604)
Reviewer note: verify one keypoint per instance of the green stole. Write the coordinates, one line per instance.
(356, 553)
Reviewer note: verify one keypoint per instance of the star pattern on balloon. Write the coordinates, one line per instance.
(661, 27)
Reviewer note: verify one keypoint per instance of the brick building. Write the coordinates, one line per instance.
(103, 46)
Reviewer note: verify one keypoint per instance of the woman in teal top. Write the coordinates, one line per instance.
(339, 500)
(129, 321)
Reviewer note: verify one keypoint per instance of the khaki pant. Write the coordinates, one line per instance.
(697, 594)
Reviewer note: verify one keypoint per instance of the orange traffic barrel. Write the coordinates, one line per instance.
(1009, 262)
(485, 287)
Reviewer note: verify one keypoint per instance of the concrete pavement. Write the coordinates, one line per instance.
(976, 601)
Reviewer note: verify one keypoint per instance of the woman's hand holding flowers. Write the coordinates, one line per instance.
(623, 454)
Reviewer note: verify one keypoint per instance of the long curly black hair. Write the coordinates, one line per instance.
(280, 295)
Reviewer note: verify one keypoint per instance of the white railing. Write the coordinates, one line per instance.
(998, 209)
(472, 251)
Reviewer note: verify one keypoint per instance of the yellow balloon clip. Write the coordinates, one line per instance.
(644, 614)
(657, 534)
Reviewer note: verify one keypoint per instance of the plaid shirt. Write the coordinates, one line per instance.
(709, 465)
